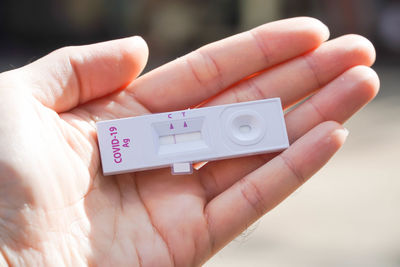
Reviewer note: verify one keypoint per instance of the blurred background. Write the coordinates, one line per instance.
(349, 213)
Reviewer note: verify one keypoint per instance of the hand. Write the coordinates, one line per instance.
(56, 207)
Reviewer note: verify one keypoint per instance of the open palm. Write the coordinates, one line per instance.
(56, 207)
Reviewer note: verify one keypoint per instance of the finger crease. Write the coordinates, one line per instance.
(139, 257)
(236, 94)
(214, 70)
(208, 175)
(253, 196)
(121, 202)
(258, 92)
(316, 109)
(292, 168)
(193, 71)
(132, 94)
(78, 80)
(311, 66)
(155, 228)
(261, 45)
(209, 229)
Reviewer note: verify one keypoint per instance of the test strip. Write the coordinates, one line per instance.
(193, 135)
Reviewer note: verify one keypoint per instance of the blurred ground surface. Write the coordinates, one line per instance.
(346, 215)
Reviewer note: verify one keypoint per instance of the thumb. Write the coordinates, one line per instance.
(74, 75)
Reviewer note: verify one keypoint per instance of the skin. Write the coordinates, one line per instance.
(56, 207)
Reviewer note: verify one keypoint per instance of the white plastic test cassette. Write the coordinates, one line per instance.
(184, 137)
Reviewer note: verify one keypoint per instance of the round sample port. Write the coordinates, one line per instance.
(245, 127)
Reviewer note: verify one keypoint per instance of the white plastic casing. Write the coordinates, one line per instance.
(193, 135)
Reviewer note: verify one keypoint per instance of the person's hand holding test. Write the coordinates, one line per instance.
(56, 207)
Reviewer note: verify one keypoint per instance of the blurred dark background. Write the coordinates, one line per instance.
(31, 29)
(348, 215)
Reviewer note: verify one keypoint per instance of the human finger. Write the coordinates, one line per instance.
(74, 75)
(193, 78)
(296, 79)
(337, 101)
(251, 197)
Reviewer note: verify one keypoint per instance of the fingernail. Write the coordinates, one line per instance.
(342, 134)
(346, 131)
